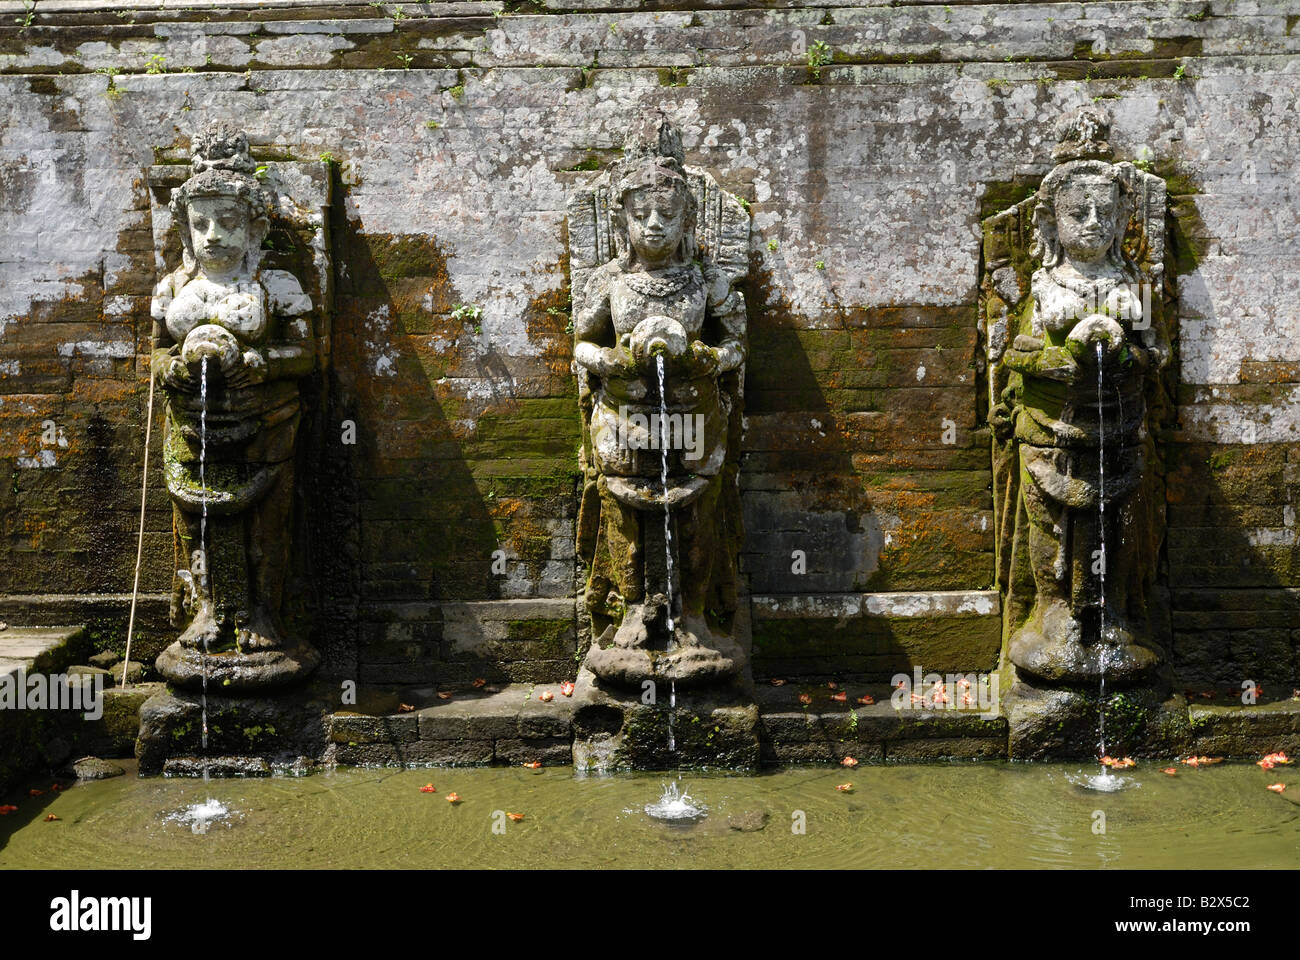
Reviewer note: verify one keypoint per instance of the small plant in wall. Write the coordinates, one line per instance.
(156, 64)
(468, 313)
(29, 14)
(405, 60)
(327, 157)
(819, 55)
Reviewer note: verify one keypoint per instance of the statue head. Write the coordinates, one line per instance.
(654, 208)
(222, 211)
(1085, 202)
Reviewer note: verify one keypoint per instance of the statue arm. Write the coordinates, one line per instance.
(1029, 355)
(165, 364)
(592, 323)
(293, 353)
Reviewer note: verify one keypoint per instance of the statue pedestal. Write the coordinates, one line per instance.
(1061, 723)
(613, 729)
(231, 672)
(239, 730)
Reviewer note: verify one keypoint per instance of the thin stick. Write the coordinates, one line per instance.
(139, 544)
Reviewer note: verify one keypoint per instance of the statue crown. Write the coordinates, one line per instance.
(1083, 134)
(222, 146)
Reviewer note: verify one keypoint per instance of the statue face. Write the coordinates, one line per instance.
(221, 232)
(1086, 208)
(656, 220)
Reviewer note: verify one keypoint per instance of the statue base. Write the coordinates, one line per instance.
(1063, 723)
(1050, 647)
(618, 730)
(233, 672)
(242, 732)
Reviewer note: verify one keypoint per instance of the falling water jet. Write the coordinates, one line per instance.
(1101, 535)
(668, 534)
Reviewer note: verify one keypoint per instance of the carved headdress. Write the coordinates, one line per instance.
(653, 159)
(221, 166)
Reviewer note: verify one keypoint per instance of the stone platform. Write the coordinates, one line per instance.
(32, 738)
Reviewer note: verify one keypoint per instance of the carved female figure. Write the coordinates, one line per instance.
(1074, 409)
(231, 341)
(660, 336)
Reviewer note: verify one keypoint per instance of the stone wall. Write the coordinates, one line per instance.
(869, 141)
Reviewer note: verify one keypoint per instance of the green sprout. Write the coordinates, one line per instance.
(819, 55)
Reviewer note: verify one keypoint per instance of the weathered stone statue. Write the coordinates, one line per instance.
(229, 444)
(1075, 379)
(657, 250)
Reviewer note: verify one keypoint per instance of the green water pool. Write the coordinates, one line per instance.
(987, 815)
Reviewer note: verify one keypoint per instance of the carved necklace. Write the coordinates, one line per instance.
(1084, 288)
(664, 285)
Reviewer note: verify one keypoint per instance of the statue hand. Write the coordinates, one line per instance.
(250, 369)
(175, 373)
(706, 358)
(1093, 329)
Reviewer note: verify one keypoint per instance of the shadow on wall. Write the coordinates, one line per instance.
(864, 470)
(459, 483)
(1232, 552)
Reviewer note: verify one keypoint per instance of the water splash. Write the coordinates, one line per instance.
(676, 804)
(200, 816)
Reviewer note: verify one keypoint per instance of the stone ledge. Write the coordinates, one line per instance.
(44, 649)
(1247, 732)
(927, 603)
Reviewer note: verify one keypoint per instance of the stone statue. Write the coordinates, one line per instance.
(1075, 384)
(657, 250)
(231, 342)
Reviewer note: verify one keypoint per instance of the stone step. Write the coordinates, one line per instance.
(43, 649)
(1247, 732)
(508, 725)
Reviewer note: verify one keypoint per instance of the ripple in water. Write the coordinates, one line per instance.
(1104, 782)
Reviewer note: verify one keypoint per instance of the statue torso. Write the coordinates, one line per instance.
(677, 292)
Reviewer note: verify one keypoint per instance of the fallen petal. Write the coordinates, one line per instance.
(848, 762)
(516, 817)
(546, 696)
(566, 688)
(534, 765)
(1172, 771)
(843, 787)
(428, 788)
(453, 798)
(866, 700)
(1277, 787)
(51, 818)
